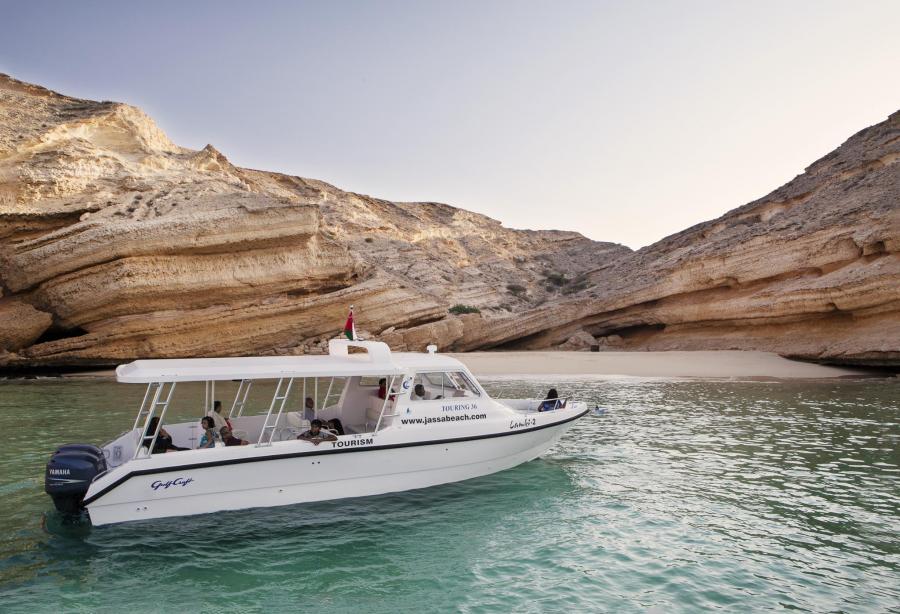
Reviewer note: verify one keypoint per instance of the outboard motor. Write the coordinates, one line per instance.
(69, 474)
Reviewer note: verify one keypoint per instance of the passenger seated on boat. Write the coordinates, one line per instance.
(209, 437)
(315, 434)
(309, 408)
(218, 418)
(334, 425)
(163, 440)
(552, 401)
(382, 389)
(231, 440)
(420, 394)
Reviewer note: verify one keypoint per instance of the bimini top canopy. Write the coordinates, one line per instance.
(338, 363)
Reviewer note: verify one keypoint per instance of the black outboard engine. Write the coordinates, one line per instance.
(69, 474)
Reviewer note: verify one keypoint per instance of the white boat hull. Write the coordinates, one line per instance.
(291, 472)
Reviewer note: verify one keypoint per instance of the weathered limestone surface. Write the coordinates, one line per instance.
(116, 244)
(24, 324)
(810, 271)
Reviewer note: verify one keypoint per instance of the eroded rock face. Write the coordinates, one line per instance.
(117, 244)
(812, 271)
(23, 324)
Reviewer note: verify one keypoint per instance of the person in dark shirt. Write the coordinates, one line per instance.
(315, 434)
(335, 426)
(163, 439)
(552, 401)
(231, 440)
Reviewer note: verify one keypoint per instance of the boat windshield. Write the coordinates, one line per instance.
(444, 385)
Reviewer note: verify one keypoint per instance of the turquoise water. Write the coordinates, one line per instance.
(683, 496)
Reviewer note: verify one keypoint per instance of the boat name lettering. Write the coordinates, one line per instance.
(520, 424)
(176, 482)
(352, 442)
(460, 407)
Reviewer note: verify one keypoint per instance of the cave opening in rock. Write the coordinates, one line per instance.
(628, 334)
(57, 332)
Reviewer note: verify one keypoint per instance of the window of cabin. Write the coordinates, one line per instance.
(443, 385)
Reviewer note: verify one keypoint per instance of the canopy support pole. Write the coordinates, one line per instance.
(387, 398)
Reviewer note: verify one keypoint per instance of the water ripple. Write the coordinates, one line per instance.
(684, 495)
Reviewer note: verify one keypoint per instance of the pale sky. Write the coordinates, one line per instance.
(625, 121)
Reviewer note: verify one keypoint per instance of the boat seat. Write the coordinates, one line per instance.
(373, 411)
(286, 433)
(296, 420)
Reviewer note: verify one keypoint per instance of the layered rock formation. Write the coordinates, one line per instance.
(117, 244)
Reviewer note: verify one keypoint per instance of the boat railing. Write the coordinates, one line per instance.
(558, 402)
(159, 400)
(389, 397)
(240, 399)
(532, 405)
(279, 399)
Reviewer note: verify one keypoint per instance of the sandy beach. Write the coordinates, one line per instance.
(722, 363)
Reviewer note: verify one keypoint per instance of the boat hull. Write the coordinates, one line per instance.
(268, 477)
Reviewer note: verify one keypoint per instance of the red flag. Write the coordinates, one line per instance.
(349, 327)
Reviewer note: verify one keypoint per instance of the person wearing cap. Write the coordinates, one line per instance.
(315, 434)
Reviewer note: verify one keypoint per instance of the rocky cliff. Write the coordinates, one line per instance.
(116, 244)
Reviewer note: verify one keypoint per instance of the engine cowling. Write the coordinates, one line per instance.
(69, 474)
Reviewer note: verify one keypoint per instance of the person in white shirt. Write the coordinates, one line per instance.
(218, 418)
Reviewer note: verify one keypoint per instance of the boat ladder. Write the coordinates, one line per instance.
(270, 425)
(240, 399)
(159, 400)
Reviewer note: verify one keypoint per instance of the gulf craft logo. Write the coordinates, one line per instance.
(170, 483)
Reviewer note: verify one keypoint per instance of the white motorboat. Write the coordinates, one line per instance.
(435, 425)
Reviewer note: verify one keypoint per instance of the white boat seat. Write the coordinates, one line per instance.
(297, 421)
(287, 433)
(373, 411)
